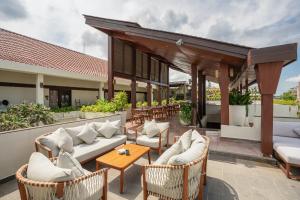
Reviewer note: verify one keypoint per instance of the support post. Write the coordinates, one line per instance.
(39, 89)
(149, 94)
(224, 84)
(200, 94)
(246, 85)
(159, 94)
(110, 81)
(204, 95)
(133, 81)
(267, 87)
(194, 94)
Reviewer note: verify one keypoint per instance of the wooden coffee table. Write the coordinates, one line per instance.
(120, 162)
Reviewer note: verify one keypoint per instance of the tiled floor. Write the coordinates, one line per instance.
(227, 180)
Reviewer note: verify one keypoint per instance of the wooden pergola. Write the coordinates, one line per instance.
(143, 54)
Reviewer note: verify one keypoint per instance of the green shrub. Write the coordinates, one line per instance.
(25, 115)
(285, 102)
(121, 101)
(185, 113)
(237, 98)
(155, 103)
(164, 102)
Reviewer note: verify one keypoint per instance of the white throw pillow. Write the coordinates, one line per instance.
(40, 168)
(65, 160)
(88, 134)
(57, 140)
(108, 129)
(73, 132)
(64, 141)
(117, 124)
(175, 149)
(152, 129)
(197, 136)
(297, 131)
(146, 124)
(186, 139)
(192, 154)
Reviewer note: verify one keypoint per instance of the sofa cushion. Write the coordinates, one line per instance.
(193, 153)
(74, 132)
(101, 145)
(186, 139)
(40, 168)
(197, 136)
(88, 134)
(147, 141)
(297, 131)
(64, 140)
(65, 160)
(108, 129)
(288, 148)
(56, 140)
(285, 129)
(175, 149)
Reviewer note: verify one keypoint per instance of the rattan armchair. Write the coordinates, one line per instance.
(90, 186)
(175, 182)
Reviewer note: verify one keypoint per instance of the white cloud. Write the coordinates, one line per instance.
(293, 79)
(248, 22)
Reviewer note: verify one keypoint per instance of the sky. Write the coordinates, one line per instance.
(255, 23)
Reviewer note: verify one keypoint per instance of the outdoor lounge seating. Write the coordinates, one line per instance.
(156, 142)
(286, 144)
(178, 176)
(91, 185)
(82, 151)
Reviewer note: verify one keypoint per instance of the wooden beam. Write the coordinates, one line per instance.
(224, 84)
(110, 81)
(200, 94)
(159, 95)
(149, 94)
(194, 94)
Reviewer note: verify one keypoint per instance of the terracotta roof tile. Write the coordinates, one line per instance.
(23, 49)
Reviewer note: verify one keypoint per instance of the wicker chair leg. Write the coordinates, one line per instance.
(288, 170)
(22, 191)
(145, 192)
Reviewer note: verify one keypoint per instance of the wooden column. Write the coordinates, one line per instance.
(246, 85)
(158, 97)
(194, 95)
(168, 87)
(133, 81)
(167, 93)
(204, 95)
(241, 87)
(200, 94)
(149, 94)
(267, 87)
(110, 81)
(224, 84)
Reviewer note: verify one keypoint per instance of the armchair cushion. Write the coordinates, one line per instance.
(186, 139)
(163, 127)
(193, 153)
(88, 134)
(172, 151)
(108, 129)
(40, 168)
(152, 129)
(65, 160)
(147, 141)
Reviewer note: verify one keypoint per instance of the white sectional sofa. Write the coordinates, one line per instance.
(286, 145)
(83, 151)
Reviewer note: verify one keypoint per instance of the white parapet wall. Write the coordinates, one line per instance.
(243, 132)
(17, 145)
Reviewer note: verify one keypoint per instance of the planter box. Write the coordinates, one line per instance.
(91, 115)
(239, 132)
(237, 115)
(66, 115)
(19, 144)
(123, 117)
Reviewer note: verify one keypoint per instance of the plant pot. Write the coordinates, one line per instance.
(184, 123)
(123, 117)
(237, 115)
(91, 115)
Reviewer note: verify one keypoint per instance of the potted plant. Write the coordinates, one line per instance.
(185, 114)
(238, 109)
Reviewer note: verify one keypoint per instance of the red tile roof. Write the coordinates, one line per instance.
(23, 49)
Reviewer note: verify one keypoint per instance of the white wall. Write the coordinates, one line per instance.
(17, 146)
(86, 97)
(17, 95)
